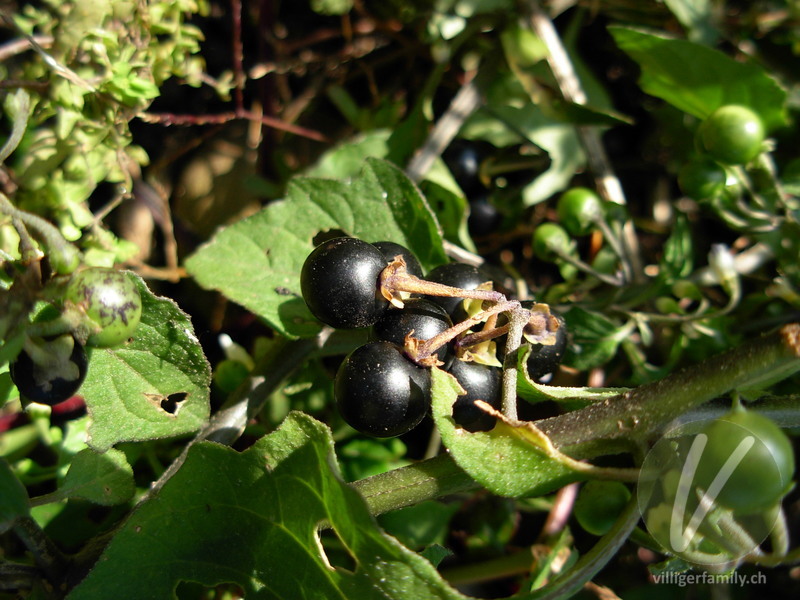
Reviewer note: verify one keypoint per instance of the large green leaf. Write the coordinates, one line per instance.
(257, 262)
(252, 519)
(154, 387)
(698, 80)
(501, 461)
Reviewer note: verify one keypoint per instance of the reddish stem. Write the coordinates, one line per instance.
(238, 55)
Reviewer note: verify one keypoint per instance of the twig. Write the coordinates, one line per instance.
(15, 47)
(605, 179)
(168, 119)
(238, 55)
(464, 103)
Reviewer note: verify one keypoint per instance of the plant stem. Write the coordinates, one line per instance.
(47, 556)
(425, 480)
(517, 321)
(637, 415)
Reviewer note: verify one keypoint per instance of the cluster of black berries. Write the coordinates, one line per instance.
(383, 387)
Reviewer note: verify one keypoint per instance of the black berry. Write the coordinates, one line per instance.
(391, 249)
(481, 382)
(51, 382)
(420, 316)
(340, 283)
(484, 218)
(464, 159)
(458, 275)
(380, 392)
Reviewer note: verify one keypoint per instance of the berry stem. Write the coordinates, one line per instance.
(583, 266)
(484, 335)
(428, 348)
(395, 278)
(779, 534)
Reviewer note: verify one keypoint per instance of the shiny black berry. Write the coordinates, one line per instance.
(458, 275)
(420, 316)
(484, 218)
(380, 392)
(464, 158)
(55, 377)
(481, 382)
(391, 249)
(340, 283)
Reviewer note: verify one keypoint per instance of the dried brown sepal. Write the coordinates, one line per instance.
(542, 326)
(396, 268)
(414, 349)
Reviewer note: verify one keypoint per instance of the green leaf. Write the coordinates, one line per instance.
(502, 462)
(677, 263)
(539, 392)
(157, 386)
(105, 479)
(528, 122)
(347, 159)
(13, 499)
(698, 80)
(257, 262)
(251, 518)
(595, 338)
(698, 17)
(420, 525)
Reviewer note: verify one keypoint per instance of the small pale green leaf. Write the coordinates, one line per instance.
(156, 386)
(698, 80)
(103, 478)
(257, 262)
(13, 498)
(252, 519)
(504, 463)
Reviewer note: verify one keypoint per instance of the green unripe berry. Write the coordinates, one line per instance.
(111, 302)
(549, 240)
(579, 210)
(732, 134)
(599, 504)
(763, 473)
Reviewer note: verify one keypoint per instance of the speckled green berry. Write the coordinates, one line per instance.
(111, 302)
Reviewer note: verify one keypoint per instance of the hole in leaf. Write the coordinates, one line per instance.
(333, 551)
(191, 589)
(169, 404)
(328, 234)
(172, 403)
